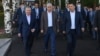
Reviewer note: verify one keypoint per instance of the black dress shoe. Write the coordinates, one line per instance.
(98, 48)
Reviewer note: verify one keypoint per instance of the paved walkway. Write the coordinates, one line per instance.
(86, 47)
(4, 45)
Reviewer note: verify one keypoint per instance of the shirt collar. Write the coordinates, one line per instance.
(72, 12)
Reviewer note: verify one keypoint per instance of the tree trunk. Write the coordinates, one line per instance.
(14, 5)
(60, 3)
(7, 16)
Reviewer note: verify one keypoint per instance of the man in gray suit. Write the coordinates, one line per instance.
(49, 28)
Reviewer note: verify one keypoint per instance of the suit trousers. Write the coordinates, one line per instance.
(50, 34)
(99, 38)
(71, 42)
(37, 28)
(28, 42)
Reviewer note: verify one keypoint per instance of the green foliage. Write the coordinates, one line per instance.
(90, 3)
(1, 16)
(2, 20)
(1, 7)
(63, 4)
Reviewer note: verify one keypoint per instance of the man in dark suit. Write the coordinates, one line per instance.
(38, 12)
(18, 13)
(26, 29)
(66, 8)
(60, 18)
(97, 26)
(49, 28)
(72, 20)
(91, 15)
(64, 12)
(80, 9)
(44, 8)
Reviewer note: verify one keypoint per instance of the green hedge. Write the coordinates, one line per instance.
(2, 20)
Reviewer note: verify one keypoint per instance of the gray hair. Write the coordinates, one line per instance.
(49, 4)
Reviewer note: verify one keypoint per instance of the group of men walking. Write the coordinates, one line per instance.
(48, 20)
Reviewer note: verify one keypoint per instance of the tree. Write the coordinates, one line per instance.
(7, 15)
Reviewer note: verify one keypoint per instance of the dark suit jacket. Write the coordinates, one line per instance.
(44, 21)
(42, 9)
(40, 12)
(82, 13)
(67, 21)
(18, 14)
(91, 17)
(64, 12)
(97, 19)
(59, 12)
(24, 28)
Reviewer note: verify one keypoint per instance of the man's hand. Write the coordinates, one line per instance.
(57, 30)
(32, 30)
(96, 29)
(41, 31)
(19, 34)
(83, 29)
(64, 32)
(13, 22)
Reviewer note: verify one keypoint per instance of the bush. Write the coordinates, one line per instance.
(1, 8)
(2, 20)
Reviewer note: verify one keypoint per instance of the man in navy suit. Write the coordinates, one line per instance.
(38, 12)
(60, 18)
(26, 29)
(66, 8)
(71, 22)
(19, 12)
(44, 8)
(80, 9)
(64, 12)
(91, 17)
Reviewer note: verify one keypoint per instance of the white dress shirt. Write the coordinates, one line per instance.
(22, 9)
(28, 19)
(79, 9)
(44, 9)
(50, 21)
(37, 12)
(72, 15)
(67, 9)
(33, 7)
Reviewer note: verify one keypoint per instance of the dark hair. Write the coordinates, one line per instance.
(21, 3)
(79, 2)
(71, 3)
(36, 3)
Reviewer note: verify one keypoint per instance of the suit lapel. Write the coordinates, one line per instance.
(46, 15)
(53, 18)
(69, 17)
(27, 20)
(31, 19)
(46, 19)
(75, 18)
